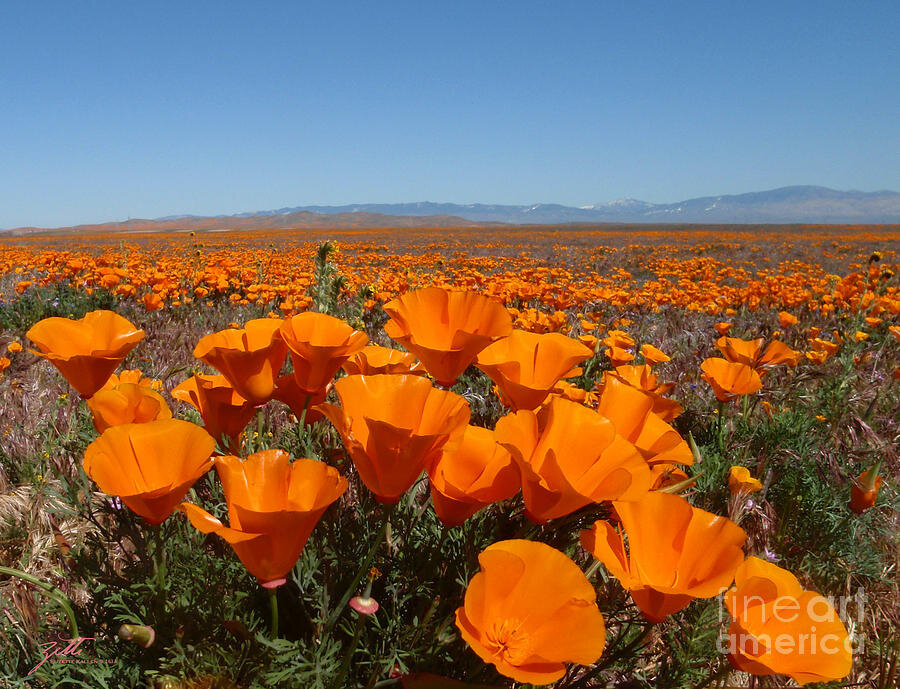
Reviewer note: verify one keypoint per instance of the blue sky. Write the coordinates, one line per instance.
(111, 110)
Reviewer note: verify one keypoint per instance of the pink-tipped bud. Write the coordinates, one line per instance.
(274, 584)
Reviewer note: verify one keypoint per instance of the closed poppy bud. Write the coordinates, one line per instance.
(729, 379)
(529, 611)
(471, 476)
(250, 357)
(779, 628)
(864, 490)
(740, 481)
(273, 506)
(570, 456)
(126, 403)
(526, 365)
(393, 427)
(88, 350)
(150, 466)
(446, 330)
(225, 413)
(319, 345)
(142, 635)
(676, 552)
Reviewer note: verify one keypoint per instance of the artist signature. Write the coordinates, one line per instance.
(66, 651)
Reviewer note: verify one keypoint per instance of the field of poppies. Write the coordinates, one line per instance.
(439, 459)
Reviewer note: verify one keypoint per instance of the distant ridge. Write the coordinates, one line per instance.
(797, 204)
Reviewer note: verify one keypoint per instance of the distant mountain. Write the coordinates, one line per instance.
(801, 204)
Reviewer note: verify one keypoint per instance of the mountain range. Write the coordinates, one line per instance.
(796, 204)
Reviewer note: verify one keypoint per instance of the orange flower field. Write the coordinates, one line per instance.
(437, 459)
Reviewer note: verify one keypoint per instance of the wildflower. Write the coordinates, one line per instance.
(225, 413)
(319, 344)
(786, 320)
(250, 358)
(652, 355)
(526, 628)
(526, 366)
(273, 506)
(676, 552)
(372, 360)
(741, 482)
(730, 380)
(126, 403)
(864, 490)
(88, 350)
(570, 456)
(778, 628)
(150, 466)
(446, 330)
(14, 347)
(471, 476)
(393, 426)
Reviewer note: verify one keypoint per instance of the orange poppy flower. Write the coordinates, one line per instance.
(446, 330)
(88, 350)
(665, 476)
(643, 378)
(301, 403)
(652, 355)
(131, 375)
(529, 611)
(14, 347)
(126, 403)
(631, 411)
(778, 628)
(568, 391)
(864, 490)
(150, 466)
(526, 366)
(676, 552)
(895, 331)
(394, 426)
(570, 456)
(723, 327)
(471, 476)
(729, 379)
(225, 413)
(273, 506)
(741, 482)
(786, 320)
(752, 354)
(372, 360)
(319, 345)
(250, 358)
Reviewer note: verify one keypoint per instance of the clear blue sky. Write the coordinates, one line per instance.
(118, 109)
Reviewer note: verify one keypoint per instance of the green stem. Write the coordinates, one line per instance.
(363, 570)
(159, 571)
(50, 589)
(590, 571)
(273, 605)
(351, 649)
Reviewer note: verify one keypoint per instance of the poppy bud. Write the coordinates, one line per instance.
(142, 635)
(364, 606)
(865, 490)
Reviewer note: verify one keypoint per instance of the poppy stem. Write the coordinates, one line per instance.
(590, 571)
(363, 570)
(273, 606)
(159, 570)
(351, 649)
(54, 593)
